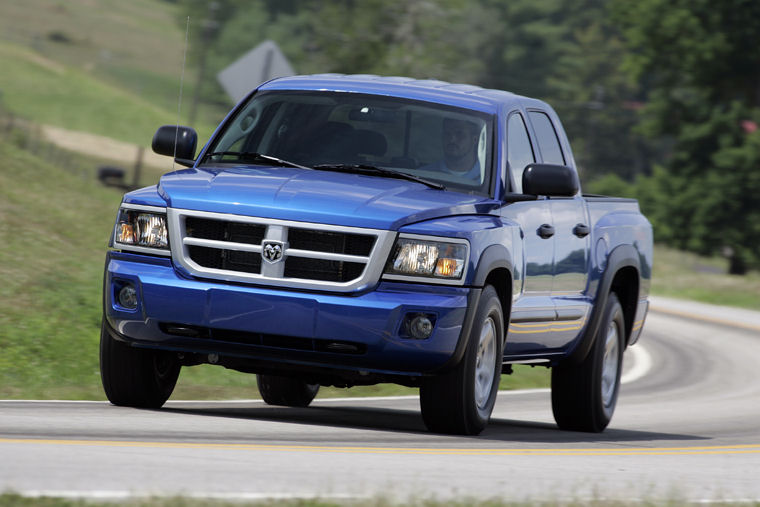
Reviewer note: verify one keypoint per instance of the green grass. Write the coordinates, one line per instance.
(109, 67)
(85, 34)
(137, 45)
(54, 228)
(688, 276)
(49, 93)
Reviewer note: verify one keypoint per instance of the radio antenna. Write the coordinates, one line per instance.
(181, 82)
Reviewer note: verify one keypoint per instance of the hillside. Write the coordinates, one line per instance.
(108, 68)
(54, 228)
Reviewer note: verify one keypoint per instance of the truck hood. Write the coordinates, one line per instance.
(314, 196)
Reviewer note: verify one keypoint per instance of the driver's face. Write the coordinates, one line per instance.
(458, 138)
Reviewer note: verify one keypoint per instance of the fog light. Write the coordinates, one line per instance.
(419, 326)
(128, 297)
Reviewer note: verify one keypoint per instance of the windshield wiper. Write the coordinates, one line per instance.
(380, 171)
(252, 155)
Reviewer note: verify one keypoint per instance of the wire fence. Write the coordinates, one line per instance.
(31, 137)
(28, 136)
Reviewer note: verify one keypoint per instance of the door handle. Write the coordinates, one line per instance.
(581, 230)
(546, 231)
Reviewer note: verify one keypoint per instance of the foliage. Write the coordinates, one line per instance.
(599, 63)
(703, 65)
(568, 53)
(685, 275)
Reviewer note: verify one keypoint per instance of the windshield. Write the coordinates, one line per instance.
(448, 145)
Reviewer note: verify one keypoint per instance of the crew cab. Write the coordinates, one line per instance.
(342, 230)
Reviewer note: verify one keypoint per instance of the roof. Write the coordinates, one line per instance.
(461, 95)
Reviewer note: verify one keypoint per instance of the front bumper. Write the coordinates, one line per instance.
(278, 327)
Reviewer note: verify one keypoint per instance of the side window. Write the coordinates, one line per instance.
(547, 138)
(519, 150)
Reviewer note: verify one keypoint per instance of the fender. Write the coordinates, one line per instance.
(494, 257)
(622, 256)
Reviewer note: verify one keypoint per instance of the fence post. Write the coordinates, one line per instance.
(138, 167)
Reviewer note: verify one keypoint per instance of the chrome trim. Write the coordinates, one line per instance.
(166, 252)
(142, 207)
(226, 245)
(315, 254)
(432, 279)
(141, 249)
(527, 361)
(277, 230)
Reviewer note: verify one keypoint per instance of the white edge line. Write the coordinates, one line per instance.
(642, 364)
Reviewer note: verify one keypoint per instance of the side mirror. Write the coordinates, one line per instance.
(550, 180)
(186, 139)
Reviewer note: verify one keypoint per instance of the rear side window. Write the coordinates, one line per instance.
(548, 143)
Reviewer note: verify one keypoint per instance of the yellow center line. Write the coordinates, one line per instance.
(627, 451)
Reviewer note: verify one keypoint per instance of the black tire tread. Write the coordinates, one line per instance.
(286, 391)
(576, 401)
(447, 401)
(128, 374)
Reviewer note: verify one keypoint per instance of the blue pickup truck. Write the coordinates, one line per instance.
(343, 230)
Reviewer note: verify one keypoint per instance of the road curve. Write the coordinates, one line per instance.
(687, 426)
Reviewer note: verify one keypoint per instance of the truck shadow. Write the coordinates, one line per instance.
(410, 421)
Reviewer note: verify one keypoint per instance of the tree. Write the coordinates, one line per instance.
(702, 62)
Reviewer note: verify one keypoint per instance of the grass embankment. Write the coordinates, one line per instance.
(47, 92)
(110, 68)
(685, 275)
(54, 227)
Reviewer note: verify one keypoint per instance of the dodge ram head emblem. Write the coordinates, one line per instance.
(271, 251)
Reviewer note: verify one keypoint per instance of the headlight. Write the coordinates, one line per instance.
(141, 229)
(414, 257)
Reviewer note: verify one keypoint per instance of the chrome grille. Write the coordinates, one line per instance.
(312, 256)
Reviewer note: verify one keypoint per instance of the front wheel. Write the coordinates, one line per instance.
(584, 395)
(461, 401)
(134, 377)
(286, 391)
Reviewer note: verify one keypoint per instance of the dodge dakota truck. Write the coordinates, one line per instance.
(341, 230)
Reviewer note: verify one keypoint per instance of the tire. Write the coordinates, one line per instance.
(461, 401)
(134, 377)
(584, 395)
(286, 391)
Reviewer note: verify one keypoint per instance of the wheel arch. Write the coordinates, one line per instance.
(501, 280)
(625, 285)
(621, 276)
(494, 268)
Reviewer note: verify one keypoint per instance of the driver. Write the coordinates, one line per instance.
(460, 149)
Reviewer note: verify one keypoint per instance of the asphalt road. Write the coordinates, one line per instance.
(687, 426)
